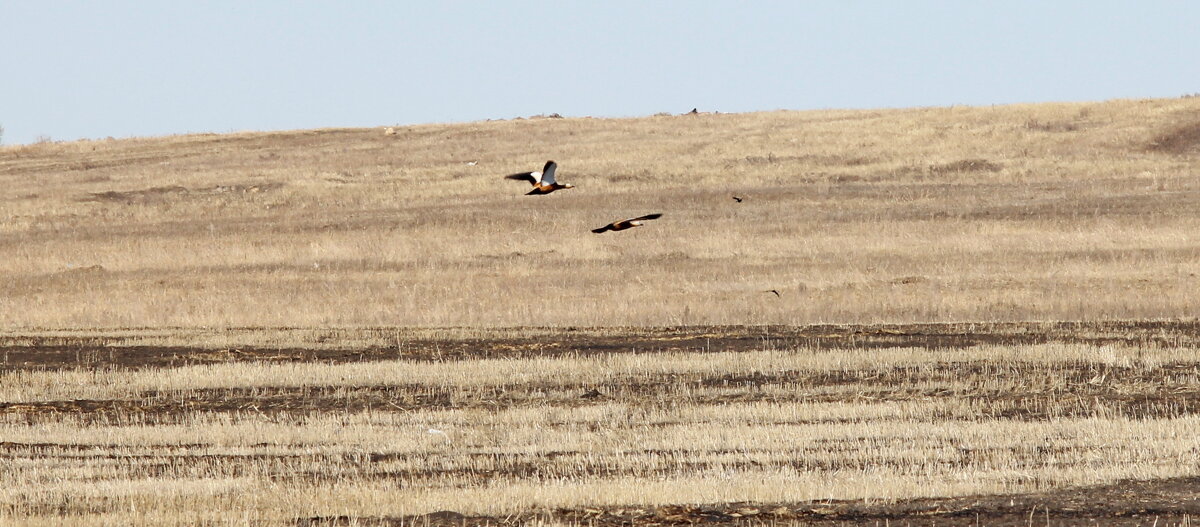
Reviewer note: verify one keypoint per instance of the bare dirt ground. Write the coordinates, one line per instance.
(55, 352)
(1169, 502)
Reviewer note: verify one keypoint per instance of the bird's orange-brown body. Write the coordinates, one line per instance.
(543, 182)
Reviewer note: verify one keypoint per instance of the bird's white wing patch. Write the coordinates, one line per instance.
(537, 177)
(548, 176)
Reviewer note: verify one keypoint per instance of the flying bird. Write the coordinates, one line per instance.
(737, 199)
(772, 291)
(627, 224)
(543, 182)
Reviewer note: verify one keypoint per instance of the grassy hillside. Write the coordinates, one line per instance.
(1027, 212)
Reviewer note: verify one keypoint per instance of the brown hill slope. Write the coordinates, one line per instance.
(1048, 211)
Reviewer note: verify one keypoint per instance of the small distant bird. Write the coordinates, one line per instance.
(471, 163)
(627, 224)
(694, 111)
(737, 199)
(772, 291)
(543, 182)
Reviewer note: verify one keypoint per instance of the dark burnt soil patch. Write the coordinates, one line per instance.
(1127, 503)
(19, 352)
(965, 165)
(1181, 140)
(480, 468)
(1002, 406)
(173, 192)
(485, 468)
(1010, 391)
(90, 354)
(150, 195)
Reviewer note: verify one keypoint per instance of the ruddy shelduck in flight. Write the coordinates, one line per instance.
(543, 182)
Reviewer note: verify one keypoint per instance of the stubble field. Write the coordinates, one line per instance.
(820, 425)
(984, 316)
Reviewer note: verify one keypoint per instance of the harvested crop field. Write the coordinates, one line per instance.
(932, 424)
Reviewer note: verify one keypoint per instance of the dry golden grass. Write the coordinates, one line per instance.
(569, 373)
(502, 437)
(339, 257)
(1025, 212)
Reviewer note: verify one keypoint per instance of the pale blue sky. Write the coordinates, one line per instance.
(92, 69)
